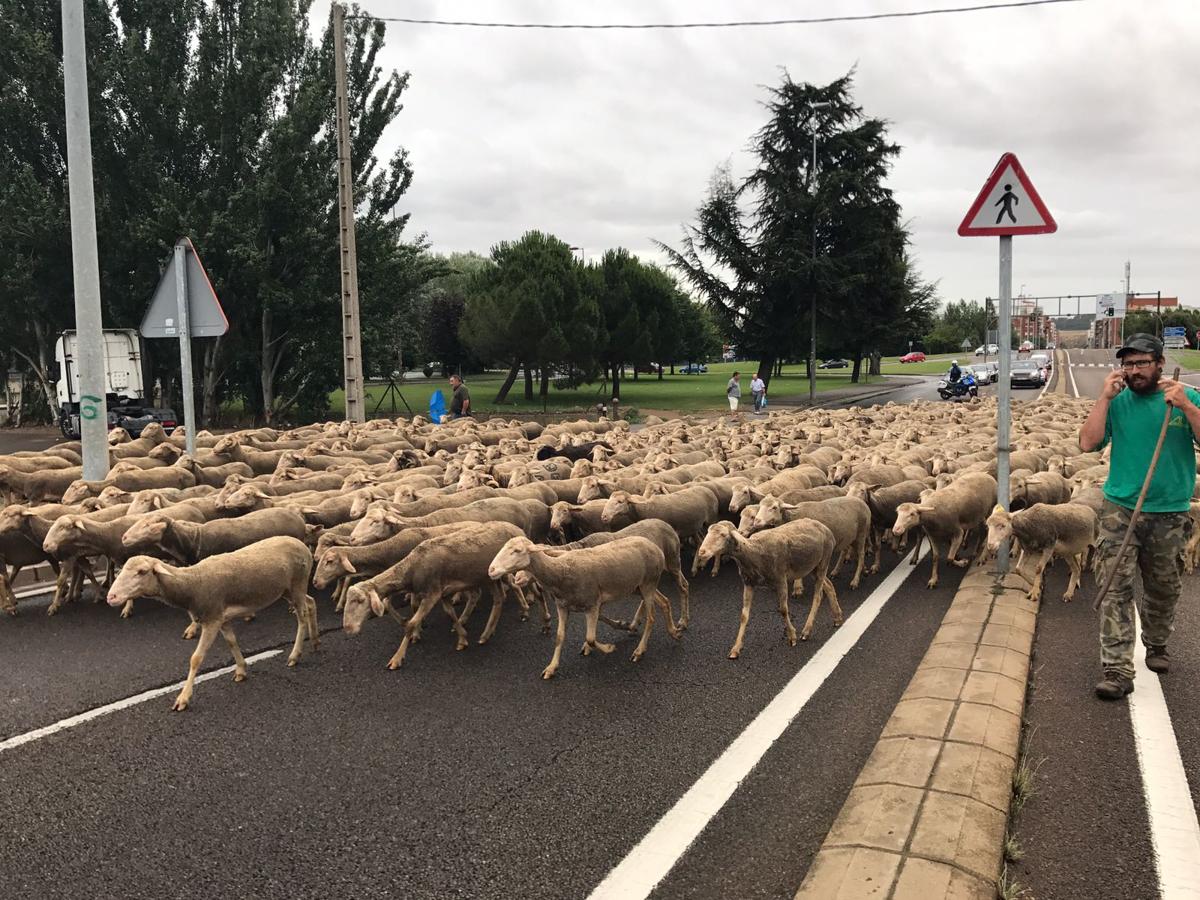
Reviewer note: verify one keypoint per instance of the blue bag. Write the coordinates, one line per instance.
(437, 407)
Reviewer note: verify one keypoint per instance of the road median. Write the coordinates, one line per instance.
(926, 817)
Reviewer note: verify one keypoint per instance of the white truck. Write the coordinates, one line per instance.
(124, 384)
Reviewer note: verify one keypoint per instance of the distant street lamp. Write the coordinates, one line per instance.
(580, 249)
(812, 347)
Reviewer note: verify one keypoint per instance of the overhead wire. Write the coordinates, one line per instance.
(749, 23)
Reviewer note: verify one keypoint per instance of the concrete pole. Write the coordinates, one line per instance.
(1004, 392)
(812, 282)
(185, 348)
(351, 332)
(93, 410)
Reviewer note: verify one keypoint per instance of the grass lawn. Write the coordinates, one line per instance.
(1189, 359)
(686, 393)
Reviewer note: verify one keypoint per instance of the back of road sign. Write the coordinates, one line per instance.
(205, 314)
(1008, 204)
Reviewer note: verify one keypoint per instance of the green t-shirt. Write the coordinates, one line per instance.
(1132, 426)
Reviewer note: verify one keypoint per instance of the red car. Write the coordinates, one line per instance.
(915, 356)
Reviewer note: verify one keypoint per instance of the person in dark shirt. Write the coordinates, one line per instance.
(460, 402)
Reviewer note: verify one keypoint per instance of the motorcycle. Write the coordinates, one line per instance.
(966, 386)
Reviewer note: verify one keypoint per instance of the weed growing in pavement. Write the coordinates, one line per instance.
(1012, 848)
(1011, 890)
(1024, 776)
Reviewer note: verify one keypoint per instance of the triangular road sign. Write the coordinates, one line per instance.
(205, 315)
(1008, 204)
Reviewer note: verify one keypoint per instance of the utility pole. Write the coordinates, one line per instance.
(351, 331)
(812, 280)
(85, 263)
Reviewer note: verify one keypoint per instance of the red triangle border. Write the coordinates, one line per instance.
(1049, 226)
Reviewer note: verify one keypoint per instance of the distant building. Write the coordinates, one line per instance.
(1152, 302)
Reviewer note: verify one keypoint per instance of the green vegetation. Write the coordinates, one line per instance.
(1188, 359)
(685, 393)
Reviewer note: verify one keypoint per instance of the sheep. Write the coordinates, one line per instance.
(131, 479)
(17, 550)
(883, 502)
(433, 571)
(778, 558)
(531, 516)
(1065, 530)
(689, 512)
(38, 486)
(187, 541)
(848, 518)
(571, 521)
(1040, 487)
(221, 588)
(213, 475)
(584, 580)
(262, 462)
(948, 515)
(573, 452)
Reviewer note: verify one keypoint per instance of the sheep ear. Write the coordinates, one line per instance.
(998, 509)
(376, 602)
(347, 566)
(924, 507)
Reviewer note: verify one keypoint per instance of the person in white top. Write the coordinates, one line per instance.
(758, 390)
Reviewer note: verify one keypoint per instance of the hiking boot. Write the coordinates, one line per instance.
(1158, 660)
(1114, 686)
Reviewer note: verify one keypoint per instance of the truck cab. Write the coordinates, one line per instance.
(124, 384)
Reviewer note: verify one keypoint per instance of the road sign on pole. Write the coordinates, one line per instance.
(1110, 306)
(185, 306)
(1008, 205)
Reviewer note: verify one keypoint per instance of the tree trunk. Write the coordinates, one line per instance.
(672, 368)
(211, 379)
(876, 359)
(545, 385)
(616, 381)
(509, 379)
(857, 367)
(766, 368)
(660, 371)
(779, 367)
(528, 383)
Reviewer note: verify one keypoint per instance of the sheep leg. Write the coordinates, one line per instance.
(956, 543)
(647, 592)
(456, 624)
(664, 603)
(239, 661)
(1073, 561)
(110, 572)
(208, 633)
(410, 627)
(62, 587)
(192, 629)
(862, 558)
(781, 596)
(831, 594)
(620, 624)
(8, 600)
(916, 550)
(933, 556)
(339, 593)
(747, 598)
(877, 545)
(314, 631)
(837, 566)
(593, 619)
(494, 617)
(1039, 570)
(559, 639)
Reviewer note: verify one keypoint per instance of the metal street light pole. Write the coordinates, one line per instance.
(812, 346)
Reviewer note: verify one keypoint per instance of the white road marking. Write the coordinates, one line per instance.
(656, 854)
(1174, 830)
(71, 721)
(1071, 372)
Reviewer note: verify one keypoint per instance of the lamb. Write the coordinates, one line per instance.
(1065, 530)
(584, 580)
(434, 571)
(848, 518)
(689, 512)
(948, 515)
(778, 558)
(221, 588)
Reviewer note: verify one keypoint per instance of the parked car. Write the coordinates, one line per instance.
(915, 356)
(1026, 372)
(648, 369)
(990, 350)
(834, 364)
(694, 369)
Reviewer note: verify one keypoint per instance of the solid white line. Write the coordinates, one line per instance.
(1071, 372)
(656, 854)
(1174, 831)
(71, 721)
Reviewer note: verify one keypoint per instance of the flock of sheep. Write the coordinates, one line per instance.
(400, 517)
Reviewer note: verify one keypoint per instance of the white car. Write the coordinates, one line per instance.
(992, 350)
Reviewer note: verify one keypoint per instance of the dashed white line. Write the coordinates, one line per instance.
(71, 721)
(1174, 830)
(656, 854)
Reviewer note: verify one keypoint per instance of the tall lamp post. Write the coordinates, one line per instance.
(812, 347)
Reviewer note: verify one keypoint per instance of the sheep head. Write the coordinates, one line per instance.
(592, 488)
(332, 565)
(168, 453)
(361, 601)
(515, 555)
(721, 538)
(118, 436)
(63, 532)
(621, 503)
(378, 524)
(405, 493)
(145, 532)
(226, 445)
(137, 578)
(561, 515)
(80, 490)
(999, 526)
(154, 432)
(245, 497)
(909, 515)
(112, 496)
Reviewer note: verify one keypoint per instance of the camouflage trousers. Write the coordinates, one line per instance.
(1156, 550)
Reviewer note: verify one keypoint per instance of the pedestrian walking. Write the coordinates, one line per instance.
(733, 391)
(758, 390)
(1129, 415)
(460, 402)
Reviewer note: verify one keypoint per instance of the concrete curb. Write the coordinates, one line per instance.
(926, 818)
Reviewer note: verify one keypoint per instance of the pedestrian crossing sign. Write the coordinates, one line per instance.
(1008, 204)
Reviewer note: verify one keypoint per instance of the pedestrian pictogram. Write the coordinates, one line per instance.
(1008, 204)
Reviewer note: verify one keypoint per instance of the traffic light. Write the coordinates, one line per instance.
(1110, 312)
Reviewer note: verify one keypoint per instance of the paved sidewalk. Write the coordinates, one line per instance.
(883, 385)
(926, 818)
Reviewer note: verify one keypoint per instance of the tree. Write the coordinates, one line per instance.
(750, 253)
(965, 320)
(527, 310)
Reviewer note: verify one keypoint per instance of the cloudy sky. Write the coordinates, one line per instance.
(609, 138)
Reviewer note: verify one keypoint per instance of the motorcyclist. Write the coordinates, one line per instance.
(955, 371)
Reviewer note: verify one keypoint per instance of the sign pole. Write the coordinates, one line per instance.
(93, 410)
(185, 348)
(1004, 394)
